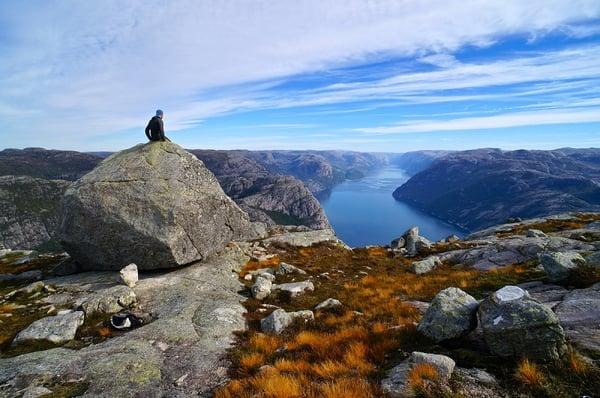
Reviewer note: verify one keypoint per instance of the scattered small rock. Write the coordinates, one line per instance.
(426, 265)
(261, 288)
(295, 288)
(328, 304)
(278, 320)
(285, 269)
(129, 275)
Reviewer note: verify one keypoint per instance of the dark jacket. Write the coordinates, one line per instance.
(155, 130)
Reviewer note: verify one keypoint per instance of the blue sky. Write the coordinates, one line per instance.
(362, 75)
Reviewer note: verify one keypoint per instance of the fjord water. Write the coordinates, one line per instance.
(363, 212)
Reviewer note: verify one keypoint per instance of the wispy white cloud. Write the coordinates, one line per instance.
(514, 119)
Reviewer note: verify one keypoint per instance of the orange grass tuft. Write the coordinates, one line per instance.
(252, 361)
(420, 374)
(529, 374)
(576, 363)
(276, 385)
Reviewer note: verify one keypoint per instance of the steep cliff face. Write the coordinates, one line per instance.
(480, 188)
(269, 198)
(28, 211)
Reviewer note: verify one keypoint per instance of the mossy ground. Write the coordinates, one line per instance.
(345, 352)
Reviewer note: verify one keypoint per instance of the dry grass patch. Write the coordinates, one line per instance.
(422, 374)
(342, 353)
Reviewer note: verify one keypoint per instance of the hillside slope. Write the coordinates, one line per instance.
(479, 188)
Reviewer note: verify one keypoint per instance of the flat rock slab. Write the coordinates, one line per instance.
(303, 238)
(579, 315)
(54, 329)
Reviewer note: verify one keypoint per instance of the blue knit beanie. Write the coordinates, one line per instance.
(159, 112)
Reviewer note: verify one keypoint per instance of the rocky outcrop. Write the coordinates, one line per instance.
(29, 212)
(452, 314)
(484, 187)
(515, 325)
(490, 251)
(154, 205)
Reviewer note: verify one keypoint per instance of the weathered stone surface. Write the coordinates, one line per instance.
(328, 304)
(262, 287)
(56, 329)
(559, 265)
(195, 311)
(109, 301)
(22, 277)
(515, 325)
(425, 265)
(579, 315)
(129, 275)
(278, 320)
(452, 314)
(398, 243)
(155, 205)
(395, 384)
(295, 288)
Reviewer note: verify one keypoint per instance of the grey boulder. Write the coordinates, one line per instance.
(155, 205)
(262, 287)
(395, 384)
(54, 329)
(278, 320)
(426, 265)
(451, 314)
(515, 325)
(560, 265)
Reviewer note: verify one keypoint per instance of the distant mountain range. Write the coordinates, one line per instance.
(275, 187)
(479, 188)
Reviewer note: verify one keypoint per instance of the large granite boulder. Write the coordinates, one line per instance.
(452, 314)
(154, 205)
(515, 325)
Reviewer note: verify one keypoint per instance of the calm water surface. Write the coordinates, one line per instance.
(363, 212)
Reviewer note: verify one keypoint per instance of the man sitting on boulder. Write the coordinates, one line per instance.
(155, 130)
